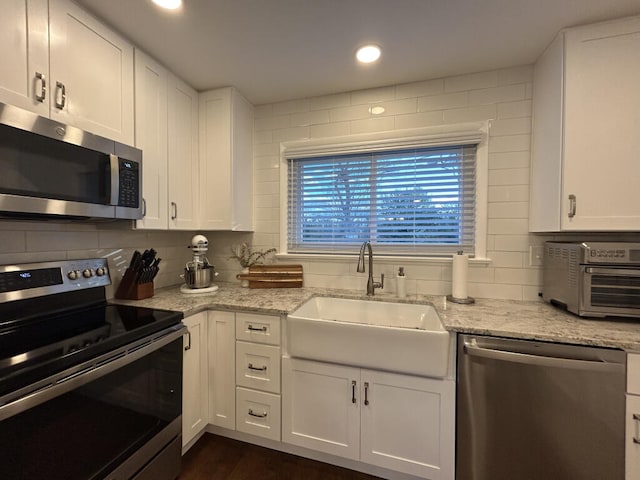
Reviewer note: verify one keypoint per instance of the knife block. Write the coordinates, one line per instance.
(129, 289)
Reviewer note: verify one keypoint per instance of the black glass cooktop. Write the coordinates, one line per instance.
(34, 348)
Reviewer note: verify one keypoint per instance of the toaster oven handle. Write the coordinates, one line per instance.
(628, 272)
(114, 163)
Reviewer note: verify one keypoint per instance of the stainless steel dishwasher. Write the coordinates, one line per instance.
(532, 410)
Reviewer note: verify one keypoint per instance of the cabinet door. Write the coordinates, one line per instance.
(222, 379)
(195, 378)
(408, 424)
(321, 407)
(632, 454)
(91, 73)
(226, 160)
(602, 125)
(183, 155)
(24, 57)
(151, 138)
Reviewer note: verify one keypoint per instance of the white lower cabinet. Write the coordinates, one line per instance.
(399, 422)
(222, 379)
(632, 418)
(195, 378)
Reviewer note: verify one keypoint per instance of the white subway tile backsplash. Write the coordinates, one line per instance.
(52, 241)
(372, 125)
(373, 95)
(335, 129)
(490, 96)
(263, 136)
(291, 106)
(522, 74)
(510, 143)
(495, 290)
(349, 113)
(330, 101)
(518, 109)
(500, 160)
(508, 193)
(266, 188)
(508, 226)
(470, 114)
(272, 123)
(420, 89)
(293, 133)
(509, 176)
(417, 120)
(509, 210)
(511, 243)
(260, 150)
(262, 111)
(471, 81)
(519, 276)
(396, 107)
(12, 241)
(309, 118)
(443, 102)
(531, 293)
(511, 126)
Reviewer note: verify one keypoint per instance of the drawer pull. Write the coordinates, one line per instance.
(259, 329)
(636, 417)
(366, 393)
(353, 391)
(259, 369)
(258, 415)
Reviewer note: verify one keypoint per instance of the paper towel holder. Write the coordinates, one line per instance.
(451, 298)
(468, 300)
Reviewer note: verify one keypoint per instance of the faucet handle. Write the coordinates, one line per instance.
(379, 284)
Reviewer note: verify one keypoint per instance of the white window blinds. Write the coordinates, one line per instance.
(418, 201)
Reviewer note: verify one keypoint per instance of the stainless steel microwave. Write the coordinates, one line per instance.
(51, 170)
(593, 279)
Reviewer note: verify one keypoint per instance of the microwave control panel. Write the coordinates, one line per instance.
(129, 195)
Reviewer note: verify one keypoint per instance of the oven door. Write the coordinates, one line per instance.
(115, 417)
(610, 291)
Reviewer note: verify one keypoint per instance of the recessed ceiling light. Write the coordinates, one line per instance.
(376, 110)
(368, 54)
(168, 4)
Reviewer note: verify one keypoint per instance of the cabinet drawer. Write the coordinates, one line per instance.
(251, 327)
(258, 413)
(258, 366)
(632, 433)
(633, 373)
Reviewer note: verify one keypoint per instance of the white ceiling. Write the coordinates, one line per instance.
(274, 50)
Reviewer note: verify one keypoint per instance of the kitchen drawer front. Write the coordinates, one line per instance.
(258, 366)
(258, 413)
(252, 327)
(632, 431)
(633, 373)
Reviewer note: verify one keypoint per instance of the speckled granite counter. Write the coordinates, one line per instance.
(524, 320)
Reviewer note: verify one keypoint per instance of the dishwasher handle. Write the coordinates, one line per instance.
(472, 349)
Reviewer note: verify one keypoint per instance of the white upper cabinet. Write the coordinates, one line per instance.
(24, 57)
(151, 137)
(226, 161)
(68, 66)
(91, 72)
(586, 130)
(183, 155)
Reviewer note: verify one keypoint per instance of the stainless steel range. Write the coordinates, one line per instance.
(88, 390)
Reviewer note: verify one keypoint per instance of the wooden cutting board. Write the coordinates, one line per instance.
(273, 276)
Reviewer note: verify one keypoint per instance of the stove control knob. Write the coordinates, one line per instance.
(72, 275)
(100, 271)
(87, 273)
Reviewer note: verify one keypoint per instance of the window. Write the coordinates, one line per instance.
(406, 201)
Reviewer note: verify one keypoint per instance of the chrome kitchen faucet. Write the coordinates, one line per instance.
(371, 284)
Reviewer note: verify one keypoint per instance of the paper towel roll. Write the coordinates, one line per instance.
(459, 276)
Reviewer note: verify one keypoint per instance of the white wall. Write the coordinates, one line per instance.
(502, 95)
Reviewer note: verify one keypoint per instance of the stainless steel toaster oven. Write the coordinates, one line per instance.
(593, 279)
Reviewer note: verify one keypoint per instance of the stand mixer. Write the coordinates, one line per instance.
(198, 272)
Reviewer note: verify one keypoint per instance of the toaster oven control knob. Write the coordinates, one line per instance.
(100, 271)
(87, 273)
(72, 275)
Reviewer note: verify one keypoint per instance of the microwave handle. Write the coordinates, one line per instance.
(114, 162)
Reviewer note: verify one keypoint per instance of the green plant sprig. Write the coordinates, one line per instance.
(247, 258)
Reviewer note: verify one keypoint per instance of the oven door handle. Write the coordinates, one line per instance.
(86, 372)
(628, 272)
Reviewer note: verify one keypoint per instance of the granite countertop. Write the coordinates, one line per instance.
(504, 318)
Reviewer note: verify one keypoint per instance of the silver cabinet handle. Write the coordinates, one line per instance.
(258, 415)
(636, 417)
(144, 207)
(366, 393)
(353, 391)
(254, 329)
(63, 95)
(174, 209)
(43, 87)
(572, 206)
(258, 369)
(188, 347)
(114, 167)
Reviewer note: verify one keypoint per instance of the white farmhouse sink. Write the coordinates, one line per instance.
(398, 337)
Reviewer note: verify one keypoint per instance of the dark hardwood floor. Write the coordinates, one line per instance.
(219, 458)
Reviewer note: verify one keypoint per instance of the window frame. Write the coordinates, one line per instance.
(445, 135)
